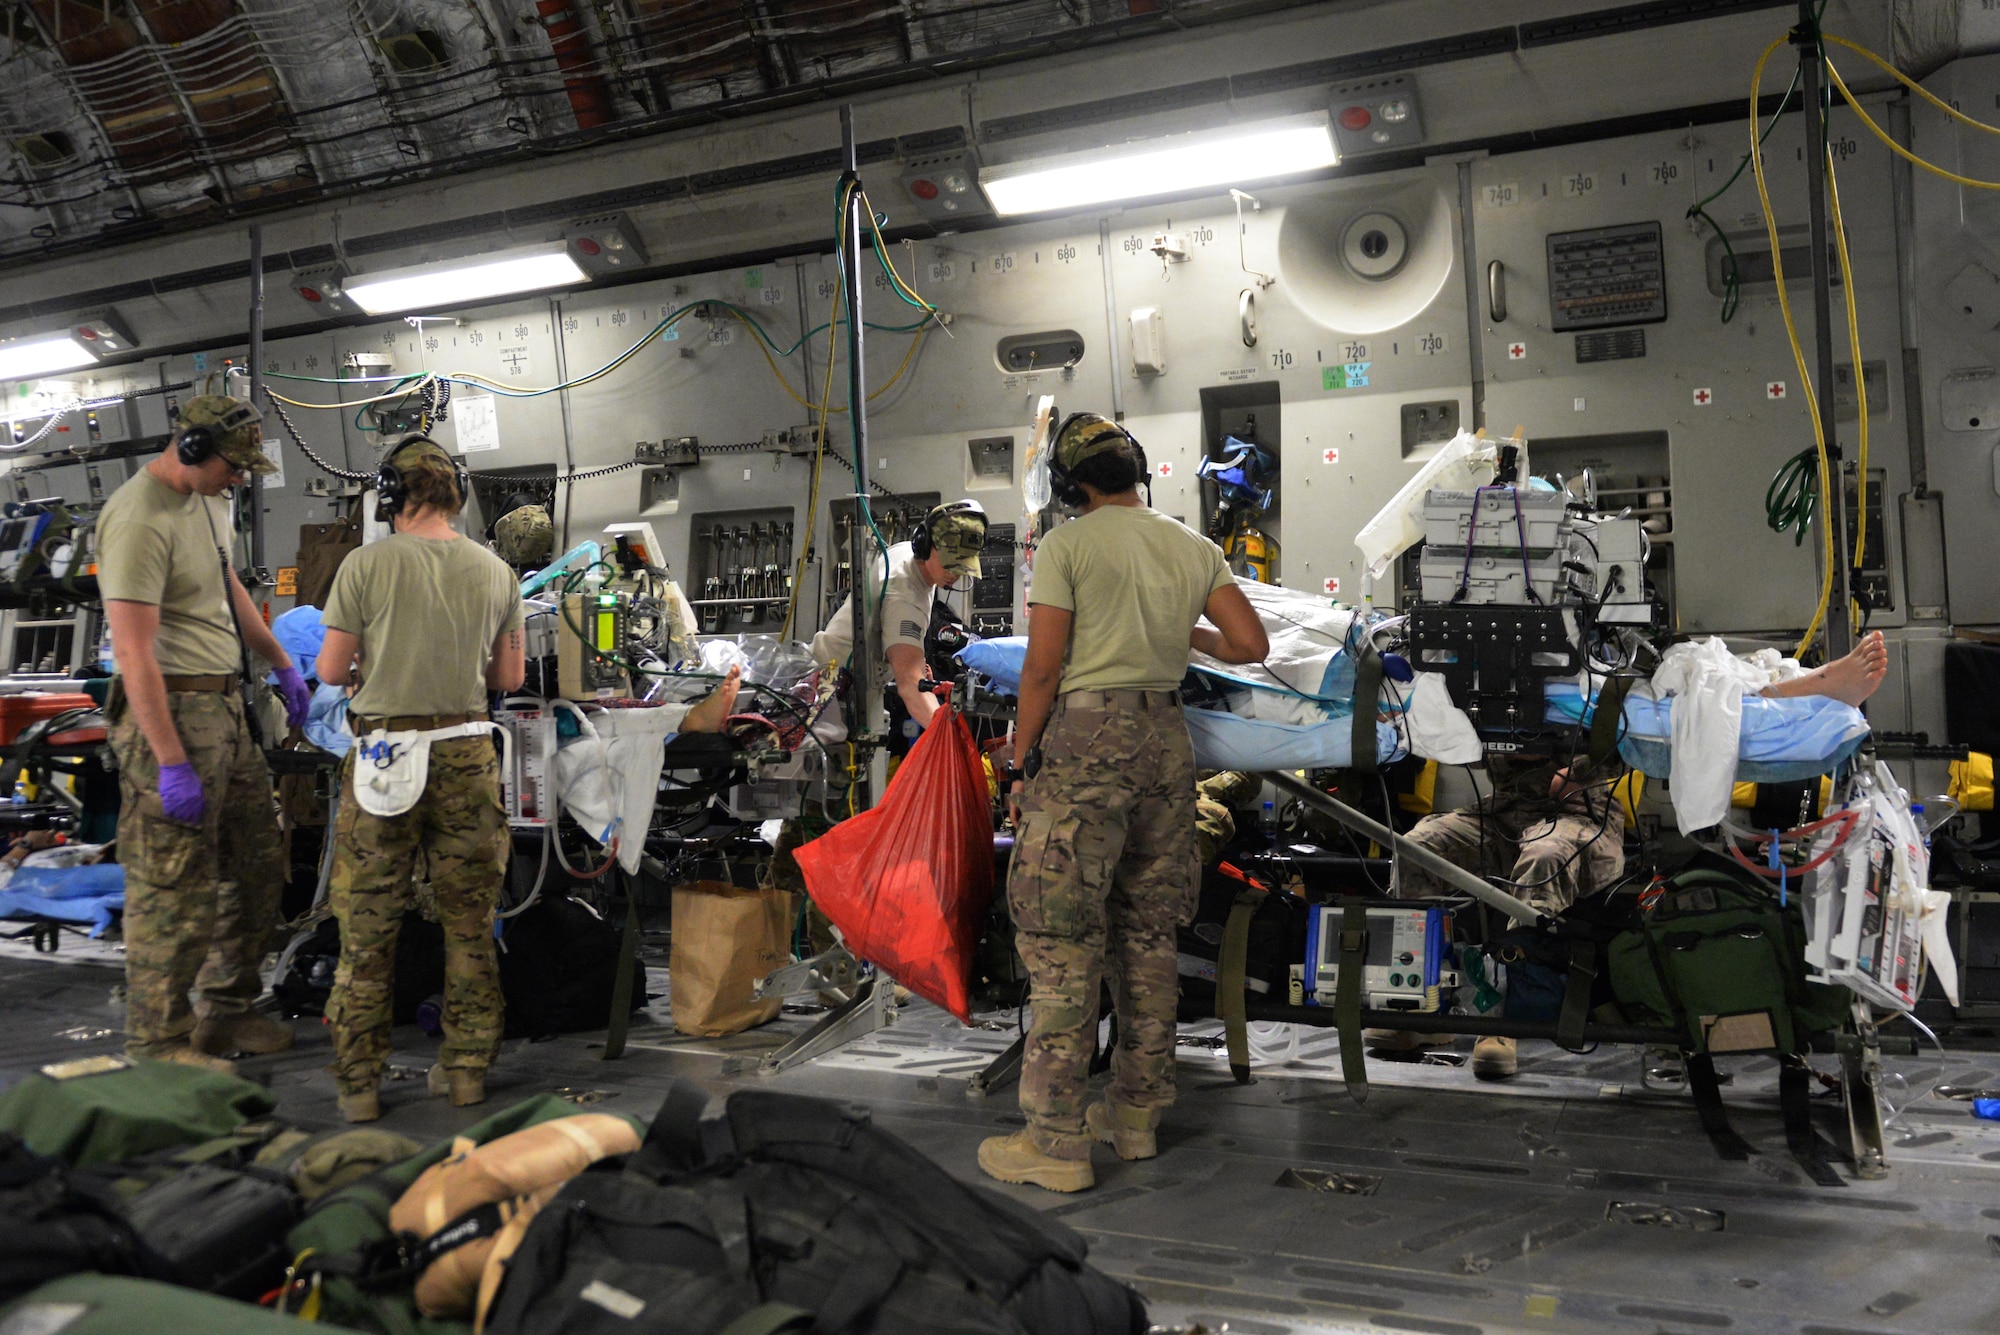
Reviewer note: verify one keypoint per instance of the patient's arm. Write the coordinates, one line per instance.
(1852, 678)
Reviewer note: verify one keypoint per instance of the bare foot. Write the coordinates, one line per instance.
(714, 709)
(1850, 679)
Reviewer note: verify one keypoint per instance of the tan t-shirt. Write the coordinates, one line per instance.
(1136, 581)
(157, 546)
(427, 611)
(906, 611)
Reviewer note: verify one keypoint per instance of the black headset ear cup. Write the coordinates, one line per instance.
(195, 446)
(920, 539)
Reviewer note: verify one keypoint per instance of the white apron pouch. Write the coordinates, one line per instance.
(392, 768)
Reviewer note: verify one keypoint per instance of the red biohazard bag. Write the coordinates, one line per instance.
(908, 883)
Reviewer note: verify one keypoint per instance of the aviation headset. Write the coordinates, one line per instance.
(921, 542)
(197, 444)
(390, 489)
(1066, 488)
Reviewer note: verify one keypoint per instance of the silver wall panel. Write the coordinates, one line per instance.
(1725, 453)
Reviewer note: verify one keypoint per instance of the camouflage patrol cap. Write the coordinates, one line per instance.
(1085, 436)
(236, 426)
(524, 536)
(958, 533)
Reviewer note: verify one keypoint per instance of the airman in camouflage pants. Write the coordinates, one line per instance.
(1556, 848)
(200, 900)
(460, 830)
(1103, 871)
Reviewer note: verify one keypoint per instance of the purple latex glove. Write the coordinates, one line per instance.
(291, 685)
(181, 796)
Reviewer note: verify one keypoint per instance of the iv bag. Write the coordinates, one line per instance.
(1036, 493)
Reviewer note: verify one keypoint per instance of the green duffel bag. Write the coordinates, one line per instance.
(1719, 960)
(113, 1115)
(112, 1305)
(344, 1252)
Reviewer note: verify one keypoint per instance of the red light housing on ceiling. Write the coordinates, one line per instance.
(924, 188)
(310, 294)
(86, 332)
(1356, 118)
(588, 246)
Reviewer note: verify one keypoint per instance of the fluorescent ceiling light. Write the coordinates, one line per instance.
(1235, 156)
(462, 282)
(44, 355)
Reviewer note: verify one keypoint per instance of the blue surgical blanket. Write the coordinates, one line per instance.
(300, 631)
(1782, 740)
(326, 720)
(998, 660)
(89, 894)
(1222, 740)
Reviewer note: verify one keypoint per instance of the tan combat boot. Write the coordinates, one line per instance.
(1494, 1058)
(249, 1032)
(362, 1106)
(199, 1060)
(464, 1087)
(1130, 1131)
(1017, 1158)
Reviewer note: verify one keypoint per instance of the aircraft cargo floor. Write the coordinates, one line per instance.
(1570, 1199)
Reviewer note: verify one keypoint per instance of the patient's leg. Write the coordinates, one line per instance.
(713, 710)
(1852, 678)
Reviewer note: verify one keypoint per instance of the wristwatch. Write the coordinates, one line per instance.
(1031, 764)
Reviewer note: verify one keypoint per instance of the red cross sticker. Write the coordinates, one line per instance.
(1166, 470)
(1516, 351)
(1329, 456)
(1702, 398)
(1331, 585)
(1775, 390)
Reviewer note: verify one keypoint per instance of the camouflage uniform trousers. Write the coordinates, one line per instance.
(201, 900)
(459, 830)
(1557, 850)
(1103, 871)
(1216, 797)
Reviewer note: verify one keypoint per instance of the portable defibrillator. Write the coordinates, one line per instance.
(1404, 965)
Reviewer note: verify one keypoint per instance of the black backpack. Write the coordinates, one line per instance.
(558, 969)
(304, 978)
(806, 1214)
(55, 1223)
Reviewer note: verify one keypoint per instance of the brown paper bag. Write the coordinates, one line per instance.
(725, 938)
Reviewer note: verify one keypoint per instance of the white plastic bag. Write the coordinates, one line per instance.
(1462, 463)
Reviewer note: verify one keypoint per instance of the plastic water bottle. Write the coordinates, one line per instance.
(1922, 821)
(1267, 819)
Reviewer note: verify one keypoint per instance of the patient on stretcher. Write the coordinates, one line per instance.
(1555, 830)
